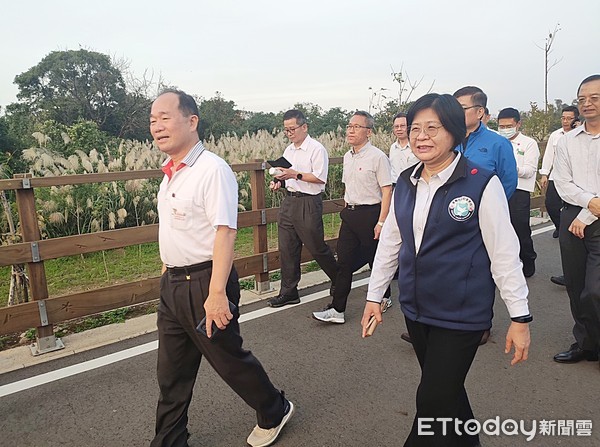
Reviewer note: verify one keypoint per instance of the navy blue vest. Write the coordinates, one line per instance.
(448, 283)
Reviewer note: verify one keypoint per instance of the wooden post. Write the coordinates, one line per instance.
(261, 245)
(37, 274)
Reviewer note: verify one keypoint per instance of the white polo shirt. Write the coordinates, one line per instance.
(549, 153)
(200, 196)
(401, 158)
(365, 172)
(310, 157)
(527, 154)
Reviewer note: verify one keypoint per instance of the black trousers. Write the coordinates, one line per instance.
(445, 357)
(180, 349)
(355, 248)
(553, 204)
(581, 266)
(301, 222)
(519, 206)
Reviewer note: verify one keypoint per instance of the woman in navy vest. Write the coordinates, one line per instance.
(449, 232)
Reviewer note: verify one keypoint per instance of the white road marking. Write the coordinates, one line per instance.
(52, 376)
(542, 230)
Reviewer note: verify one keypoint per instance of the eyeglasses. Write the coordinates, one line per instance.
(292, 129)
(584, 99)
(471, 107)
(355, 127)
(430, 130)
(402, 126)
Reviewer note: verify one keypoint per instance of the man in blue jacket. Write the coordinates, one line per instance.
(483, 146)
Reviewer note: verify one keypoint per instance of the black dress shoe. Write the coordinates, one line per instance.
(406, 337)
(575, 354)
(282, 300)
(555, 234)
(559, 280)
(528, 268)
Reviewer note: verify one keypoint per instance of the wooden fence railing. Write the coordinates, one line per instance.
(44, 311)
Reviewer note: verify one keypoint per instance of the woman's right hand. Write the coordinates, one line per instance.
(371, 309)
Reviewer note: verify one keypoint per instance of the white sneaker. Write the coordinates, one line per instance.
(262, 437)
(330, 316)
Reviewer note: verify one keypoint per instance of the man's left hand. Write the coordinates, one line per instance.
(217, 310)
(594, 206)
(577, 227)
(287, 174)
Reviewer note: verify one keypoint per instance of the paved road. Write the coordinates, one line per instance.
(349, 391)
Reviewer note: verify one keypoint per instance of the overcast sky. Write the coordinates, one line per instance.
(266, 55)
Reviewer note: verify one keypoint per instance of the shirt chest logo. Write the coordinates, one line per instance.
(461, 208)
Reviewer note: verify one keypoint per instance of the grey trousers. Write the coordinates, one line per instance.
(301, 222)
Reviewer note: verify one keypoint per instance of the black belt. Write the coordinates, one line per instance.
(188, 269)
(300, 194)
(355, 207)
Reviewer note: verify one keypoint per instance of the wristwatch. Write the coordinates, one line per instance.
(523, 319)
(380, 224)
(298, 176)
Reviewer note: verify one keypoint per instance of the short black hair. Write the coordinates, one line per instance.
(573, 109)
(295, 114)
(187, 103)
(486, 110)
(368, 116)
(448, 110)
(591, 78)
(509, 112)
(477, 96)
(399, 115)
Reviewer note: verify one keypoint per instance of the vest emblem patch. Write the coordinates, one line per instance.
(461, 208)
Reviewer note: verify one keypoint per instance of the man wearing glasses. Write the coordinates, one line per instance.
(368, 182)
(553, 201)
(483, 146)
(300, 218)
(401, 155)
(577, 180)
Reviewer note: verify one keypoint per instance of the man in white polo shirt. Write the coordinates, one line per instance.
(401, 155)
(197, 208)
(527, 154)
(367, 177)
(300, 219)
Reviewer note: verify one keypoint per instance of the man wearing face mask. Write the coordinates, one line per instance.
(527, 154)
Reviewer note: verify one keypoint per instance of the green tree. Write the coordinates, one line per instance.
(255, 121)
(219, 117)
(538, 123)
(66, 86)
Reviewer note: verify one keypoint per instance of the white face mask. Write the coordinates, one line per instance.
(508, 133)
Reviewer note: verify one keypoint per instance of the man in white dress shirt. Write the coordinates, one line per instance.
(401, 155)
(527, 154)
(553, 201)
(577, 180)
(300, 220)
